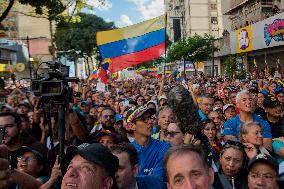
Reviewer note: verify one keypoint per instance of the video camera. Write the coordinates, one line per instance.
(54, 84)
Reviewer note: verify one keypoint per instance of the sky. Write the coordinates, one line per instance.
(127, 12)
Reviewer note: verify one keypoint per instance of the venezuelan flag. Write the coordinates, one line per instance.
(94, 74)
(132, 45)
(104, 70)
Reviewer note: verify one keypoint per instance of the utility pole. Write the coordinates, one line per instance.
(213, 59)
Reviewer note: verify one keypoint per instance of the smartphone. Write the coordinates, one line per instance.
(2, 133)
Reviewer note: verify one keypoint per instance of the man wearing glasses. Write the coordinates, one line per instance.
(263, 172)
(107, 121)
(150, 151)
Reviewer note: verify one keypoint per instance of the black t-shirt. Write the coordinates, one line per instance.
(277, 129)
(260, 111)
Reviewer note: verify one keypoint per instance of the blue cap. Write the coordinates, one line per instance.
(118, 117)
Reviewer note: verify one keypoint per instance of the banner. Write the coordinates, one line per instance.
(261, 35)
(244, 39)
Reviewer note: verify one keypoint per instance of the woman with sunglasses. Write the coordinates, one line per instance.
(232, 173)
(174, 135)
(251, 137)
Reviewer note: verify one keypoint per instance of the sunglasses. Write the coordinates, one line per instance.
(232, 143)
(108, 116)
(145, 118)
(171, 134)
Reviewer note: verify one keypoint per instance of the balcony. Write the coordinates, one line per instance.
(236, 3)
(240, 4)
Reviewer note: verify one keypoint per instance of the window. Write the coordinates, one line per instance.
(214, 20)
(214, 6)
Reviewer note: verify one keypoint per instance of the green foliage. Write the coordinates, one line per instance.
(230, 66)
(80, 36)
(195, 49)
(233, 69)
(51, 8)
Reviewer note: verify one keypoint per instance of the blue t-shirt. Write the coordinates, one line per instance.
(276, 145)
(150, 182)
(202, 116)
(232, 126)
(151, 157)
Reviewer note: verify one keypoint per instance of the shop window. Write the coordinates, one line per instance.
(214, 20)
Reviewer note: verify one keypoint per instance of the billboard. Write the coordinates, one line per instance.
(269, 32)
(261, 35)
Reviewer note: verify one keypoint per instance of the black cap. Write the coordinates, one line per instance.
(266, 159)
(95, 153)
(271, 102)
(25, 104)
(39, 157)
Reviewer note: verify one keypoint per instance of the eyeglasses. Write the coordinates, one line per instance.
(25, 159)
(265, 176)
(171, 133)
(145, 118)
(108, 116)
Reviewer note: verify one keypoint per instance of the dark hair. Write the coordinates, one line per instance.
(109, 108)
(127, 148)
(183, 149)
(233, 144)
(204, 123)
(184, 110)
(206, 95)
(139, 97)
(12, 114)
(24, 117)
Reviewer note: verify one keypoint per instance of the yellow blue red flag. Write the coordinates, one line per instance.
(133, 45)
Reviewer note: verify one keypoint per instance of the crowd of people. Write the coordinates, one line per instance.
(204, 133)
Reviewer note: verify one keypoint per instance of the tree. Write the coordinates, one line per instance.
(52, 8)
(78, 39)
(230, 66)
(233, 69)
(195, 49)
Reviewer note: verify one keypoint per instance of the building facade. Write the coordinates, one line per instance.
(254, 31)
(186, 18)
(194, 17)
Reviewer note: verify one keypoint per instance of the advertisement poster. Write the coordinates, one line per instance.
(244, 39)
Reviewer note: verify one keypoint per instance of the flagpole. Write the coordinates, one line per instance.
(165, 60)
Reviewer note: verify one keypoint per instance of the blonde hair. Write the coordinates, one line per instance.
(245, 128)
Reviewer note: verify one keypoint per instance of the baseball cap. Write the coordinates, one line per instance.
(95, 153)
(118, 117)
(25, 104)
(271, 102)
(104, 133)
(227, 106)
(39, 157)
(137, 112)
(162, 97)
(264, 158)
